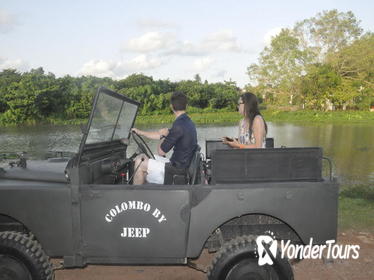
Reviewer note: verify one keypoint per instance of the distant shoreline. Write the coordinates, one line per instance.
(223, 117)
(269, 115)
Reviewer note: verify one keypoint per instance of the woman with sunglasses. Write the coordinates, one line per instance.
(252, 128)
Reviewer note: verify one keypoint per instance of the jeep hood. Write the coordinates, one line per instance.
(51, 170)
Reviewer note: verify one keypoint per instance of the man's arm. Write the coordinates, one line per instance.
(159, 150)
(163, 133)
(170, 140)
(155, 135)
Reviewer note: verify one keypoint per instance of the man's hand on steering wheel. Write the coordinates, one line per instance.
(163, 132)
(137, 131)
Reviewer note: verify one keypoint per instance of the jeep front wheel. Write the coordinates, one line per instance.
(238, 260)
(22, 258)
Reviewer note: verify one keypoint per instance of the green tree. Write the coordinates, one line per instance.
(317, 52)
(82, 93)
(134, 80)
(355, 64)
(7, 78)
(197, 78)
(327, 32)
(29, 99)
(280, 65)
(317, 87)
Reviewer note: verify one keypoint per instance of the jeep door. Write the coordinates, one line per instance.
(119, 222)
(132, 224)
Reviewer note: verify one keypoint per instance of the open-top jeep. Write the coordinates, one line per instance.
(86, 210)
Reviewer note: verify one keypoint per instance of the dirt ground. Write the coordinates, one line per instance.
(360, 269)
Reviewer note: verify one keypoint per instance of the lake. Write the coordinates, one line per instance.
(350, 146)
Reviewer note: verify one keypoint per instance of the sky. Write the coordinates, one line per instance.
(164, 39)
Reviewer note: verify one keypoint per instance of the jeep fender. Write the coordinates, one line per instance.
(43, 209)
(309, 208)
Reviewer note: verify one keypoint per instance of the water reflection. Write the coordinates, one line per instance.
(349, 145)
(40, 139)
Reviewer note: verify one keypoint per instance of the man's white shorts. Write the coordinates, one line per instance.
(156, 170)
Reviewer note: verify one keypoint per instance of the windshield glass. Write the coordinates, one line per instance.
(112, 119)
(125, 121)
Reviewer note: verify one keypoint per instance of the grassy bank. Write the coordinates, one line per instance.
(269, 115)
(356, 208)
(198, 118)
(319, 116)
(356, 213)
(220, 117)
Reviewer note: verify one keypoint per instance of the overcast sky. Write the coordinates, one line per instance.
(163, 39)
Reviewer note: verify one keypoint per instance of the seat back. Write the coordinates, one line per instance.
(191, 176)
(269, 142)
(267, 165)
(194, 168)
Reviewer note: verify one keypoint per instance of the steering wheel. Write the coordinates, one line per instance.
(144, 148)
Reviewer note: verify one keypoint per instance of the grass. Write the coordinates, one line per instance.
(269, 115)
(356, 207)
(358, 191)
(356, 214)
(319, 116)
(198, 118)
(223, 117)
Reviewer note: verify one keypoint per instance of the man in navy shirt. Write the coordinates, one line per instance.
(181, 136)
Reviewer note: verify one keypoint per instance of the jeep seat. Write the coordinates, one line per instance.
(195, 168)
(192, 172)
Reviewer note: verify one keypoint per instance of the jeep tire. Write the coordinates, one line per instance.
(238, 260)
(22, 258)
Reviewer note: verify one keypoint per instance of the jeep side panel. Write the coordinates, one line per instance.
(133, 224)
(44, 209)
(309, 208)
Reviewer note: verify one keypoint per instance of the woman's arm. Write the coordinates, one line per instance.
(258, 129)
(259, 132)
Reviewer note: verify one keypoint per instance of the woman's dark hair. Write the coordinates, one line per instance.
(251, 109)
(179, 101)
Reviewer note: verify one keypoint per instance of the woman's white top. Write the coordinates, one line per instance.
(246, 135)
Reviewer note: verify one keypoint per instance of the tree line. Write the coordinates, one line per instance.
(36, 96)
(324, 62)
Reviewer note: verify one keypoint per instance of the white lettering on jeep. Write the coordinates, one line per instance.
(134, 205)
(131, 232)
(157, 214)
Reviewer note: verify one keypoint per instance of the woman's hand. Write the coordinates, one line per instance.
(233, 143)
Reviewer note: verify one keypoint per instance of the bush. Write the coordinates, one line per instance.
(359, 191)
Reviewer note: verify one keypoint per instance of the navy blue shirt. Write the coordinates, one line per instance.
(183, 137)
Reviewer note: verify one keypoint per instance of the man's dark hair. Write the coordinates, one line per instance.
(179, 101)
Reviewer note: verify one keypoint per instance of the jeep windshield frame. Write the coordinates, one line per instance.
(111, 119)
